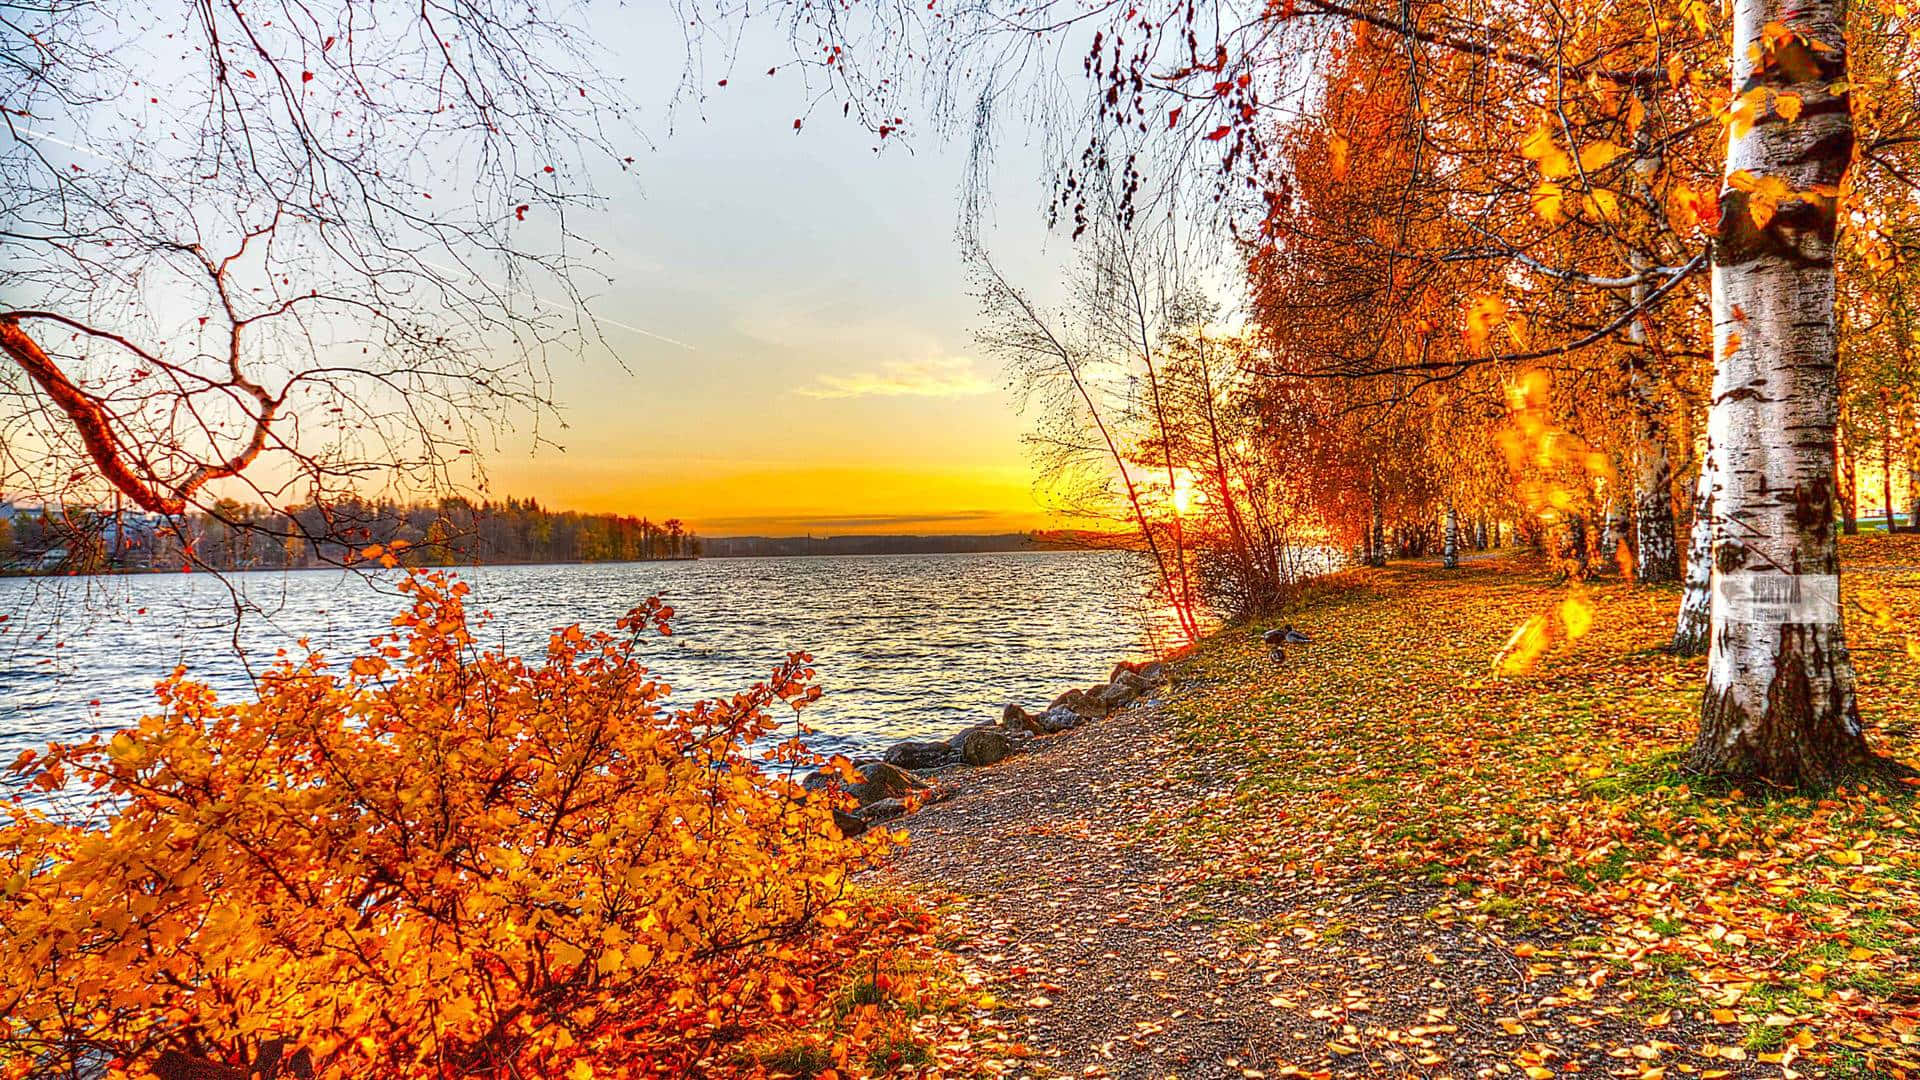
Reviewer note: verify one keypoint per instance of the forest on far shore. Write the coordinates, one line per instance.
(230, 535)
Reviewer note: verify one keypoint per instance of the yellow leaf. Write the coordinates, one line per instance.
(566, 954)
(1482, 314)
(1788, 106)
(1337, 150)
(1539, 148)
(1522, 650)
(1744, 111)
(1547, 199)
(1598, 155)
(122, 747)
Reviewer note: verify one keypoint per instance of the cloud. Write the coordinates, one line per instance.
(946, 376)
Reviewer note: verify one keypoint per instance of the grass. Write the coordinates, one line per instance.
(1389, 749)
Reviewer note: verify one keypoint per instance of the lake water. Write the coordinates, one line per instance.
(907, 646)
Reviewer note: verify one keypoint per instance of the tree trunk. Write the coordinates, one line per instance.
(1691, 631)
(1576, 560)
(1886, 468)
(1617, 545)
(1450, 549)
(1779, 701)
(1849, 483)
(1377, 556)
(1656, 553)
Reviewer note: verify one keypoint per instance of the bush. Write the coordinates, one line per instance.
(443, 861)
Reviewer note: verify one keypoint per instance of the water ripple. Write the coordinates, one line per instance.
(907, 646)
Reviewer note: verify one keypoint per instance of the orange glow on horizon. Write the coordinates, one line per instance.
(722, 499)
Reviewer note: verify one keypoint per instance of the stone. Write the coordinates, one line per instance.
(1015, 718)
(849, 824)
(1055, 721)
(1155, 673)
(984, 746)
(920, 755)
(1113, 695)
(883, 781)
(881, 810)
(1079, 702)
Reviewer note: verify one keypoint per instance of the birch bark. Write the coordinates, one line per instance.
(1779, 701)
(1690, 631)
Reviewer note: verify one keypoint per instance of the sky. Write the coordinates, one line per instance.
(814, 368)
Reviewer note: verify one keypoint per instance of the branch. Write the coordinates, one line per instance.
(90, 418)
(1530, 61)
(1456, 367)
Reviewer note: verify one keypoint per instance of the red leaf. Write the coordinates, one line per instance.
(520, 212)
(306, 76)
(1218, 133)
(1173, 117)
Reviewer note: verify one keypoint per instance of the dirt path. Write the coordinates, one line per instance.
(1120, 952)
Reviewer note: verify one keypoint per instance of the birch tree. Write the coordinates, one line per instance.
(1779, 699)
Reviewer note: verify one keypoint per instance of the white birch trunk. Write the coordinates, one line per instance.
(1690, 631)
(1656, 555)
(1779, 700)
(1450, 549)
(1378, 555)
(1619, 528)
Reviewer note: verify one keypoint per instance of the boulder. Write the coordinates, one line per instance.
(1015, 718)
(1124, 667)
(1113, 695)
(920, 755)
(984, 746)
(881, 810)
(1079, 702)
(1134, 681)
(1153, 673)
(1055, 721)
(884, 781)
(849, 824)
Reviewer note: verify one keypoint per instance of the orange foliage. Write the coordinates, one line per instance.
(439, 861)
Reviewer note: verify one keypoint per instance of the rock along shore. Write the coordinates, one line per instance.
(909, 774)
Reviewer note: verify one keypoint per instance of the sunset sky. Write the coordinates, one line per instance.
(814, 368)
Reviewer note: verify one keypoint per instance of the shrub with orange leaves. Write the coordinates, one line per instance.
(441, 861)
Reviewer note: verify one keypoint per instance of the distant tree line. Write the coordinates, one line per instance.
(231, 535)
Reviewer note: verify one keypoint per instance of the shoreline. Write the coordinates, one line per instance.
(913, 773)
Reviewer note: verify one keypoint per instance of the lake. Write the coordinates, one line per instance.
(907, 646)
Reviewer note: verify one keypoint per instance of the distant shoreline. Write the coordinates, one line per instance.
(1031, 549)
